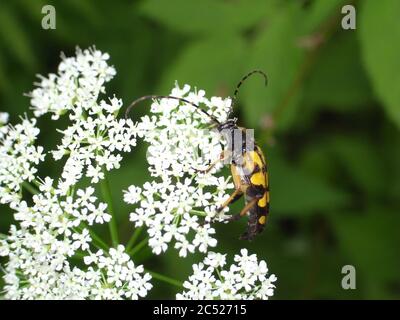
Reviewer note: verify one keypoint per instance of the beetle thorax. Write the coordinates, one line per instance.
(238, 140)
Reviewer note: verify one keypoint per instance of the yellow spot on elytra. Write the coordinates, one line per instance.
(264, 200)
(258, 179)
(262, 220)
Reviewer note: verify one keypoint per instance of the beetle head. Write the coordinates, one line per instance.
(229, 124)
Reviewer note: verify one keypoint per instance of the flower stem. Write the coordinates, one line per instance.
(198, 213)
(98, 240)
(112, 225)
(138, 247)
(30, 187)
(78, 255)
(134, 237)
(165, 279)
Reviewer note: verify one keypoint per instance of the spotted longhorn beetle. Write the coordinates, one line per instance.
(247, 162)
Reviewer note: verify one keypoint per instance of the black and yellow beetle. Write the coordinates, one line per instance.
(248, 166)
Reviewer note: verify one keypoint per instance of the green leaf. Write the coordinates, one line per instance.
(88, 10)
(389, 153)
(379, 31)
(316, 158)
(362, 162)
(320, 12)
(32, 9)
(129, 54)
(15, 39)
(276, 51)
(370, 241)
(206, 16)
(4, 83)
(295, 192)
(338, 80)
(212, 65)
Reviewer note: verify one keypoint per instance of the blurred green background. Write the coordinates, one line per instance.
(328, 121)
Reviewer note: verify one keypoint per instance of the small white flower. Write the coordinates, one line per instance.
(184, 247)
(98, 214)
(95, 173)
(215, 260)
(3, 118)
(81, 240)
(132, 195)
(204, 239)
(47, 185)
(115, 105)
(93, 257)
(85, 197)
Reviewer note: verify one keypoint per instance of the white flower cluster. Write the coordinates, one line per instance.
(75, 87)
(246, 279)
(95, 134)
(18, 157)
(179, 203)
(54, 233)
(121, 278)
(90, 145)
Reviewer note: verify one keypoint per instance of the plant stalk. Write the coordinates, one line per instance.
(134, 238)
(165, 279)
(112, 225)
(138, 247)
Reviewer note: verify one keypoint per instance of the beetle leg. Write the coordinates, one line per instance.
(222, 157)
(236, 195)
(212, 165)
(246, 208)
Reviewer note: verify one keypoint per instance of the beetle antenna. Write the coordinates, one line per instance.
(245, 78)
(169, 97)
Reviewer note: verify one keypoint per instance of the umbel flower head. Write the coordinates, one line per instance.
(95, 137)
(247, 278)
(178, 205)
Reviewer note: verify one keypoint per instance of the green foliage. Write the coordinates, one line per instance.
(276, 50)
(333, 153)
(338, 80)
(206, 17)
(297, 193)
(379, 36)
(370, 241)
(217, 55)
(370, 175)
(320, 12)
(15, 39)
